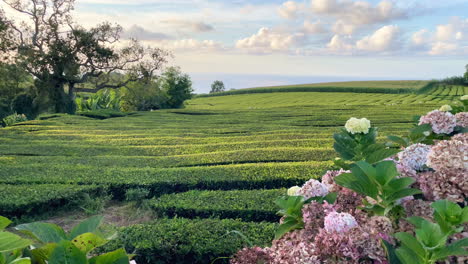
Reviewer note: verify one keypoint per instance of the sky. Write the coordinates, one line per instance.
(259, 43)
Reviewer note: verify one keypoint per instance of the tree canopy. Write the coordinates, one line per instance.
(59, 53)
(217, 86)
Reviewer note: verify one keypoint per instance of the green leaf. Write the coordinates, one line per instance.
(411, 243)
(118, 256)
(403, 193)
(398, 140)
(449, 211)
(4, 222)
(44, 232)
(288, 224)
(391, 254)
(406, 256)
(368, 170)
(88, 241)
(400, 183)
(416, 221)
(430, 235)
(457, 248)
(67, 253)
(89, 225)
(42, 254)
(331, 197)
(10, 242)
(379, 152)
(386, 171)
(21, 261)
(345, 179)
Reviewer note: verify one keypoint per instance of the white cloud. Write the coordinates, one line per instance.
(188, 25)
(384, 39)
(338, 44)
(139, 33)
(343, 28)
(313, 27)
(187, 45)
(267, 40)
(440, 48)
(420, 38)
(290, 9)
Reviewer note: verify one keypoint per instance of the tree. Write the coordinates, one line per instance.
(177, 86)
(61, 54)
(217, 86)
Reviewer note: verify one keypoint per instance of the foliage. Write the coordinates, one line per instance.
(177, 86)
(248, 205)
(102, 114)
(217, 86)
(360, 146)
(58, 60)
(14, 118)
(144, 95)
(291, 211)
(430, 243)
(53, 245)
(103, 99)
(378, 182)
(137, 194)
(11, 245)
(22, 104)
(181, 240)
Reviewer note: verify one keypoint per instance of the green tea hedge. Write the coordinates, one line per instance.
(185, 241)
(248, 205)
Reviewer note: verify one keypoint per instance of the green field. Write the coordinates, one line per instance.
(220, 157)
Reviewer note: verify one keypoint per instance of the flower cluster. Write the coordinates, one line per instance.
(441, 122)
(339, 222)
(329, 182)
(413, 157)
(255, 255)
(313, 188)
(356, 126)
(462, 119)
(445, 108)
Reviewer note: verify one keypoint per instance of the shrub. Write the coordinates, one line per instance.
(188, 241)
(136, 194)
(14, 118)
(23, 104)
(249, 205)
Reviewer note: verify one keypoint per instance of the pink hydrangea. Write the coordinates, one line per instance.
(255, 255)
(441, 122)
(462, 119)
(339, 222)
(414, 157)
(448, 155)
(295, 247)
(446, 184)
(328, 179)
(313, 188)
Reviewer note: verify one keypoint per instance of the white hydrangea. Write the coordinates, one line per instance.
(293, 190)
(313, 188)
(414, 157)
(445, 108)
(339, 222)
(464, 98)
(355, 125)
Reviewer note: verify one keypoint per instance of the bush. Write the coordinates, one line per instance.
(14, 118)
(136, 194)
(190, 241)
(249, 205)
(23, 104)
(102, 113)
(19, 200)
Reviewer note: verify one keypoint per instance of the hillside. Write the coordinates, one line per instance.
(390, 87)
(215, 165)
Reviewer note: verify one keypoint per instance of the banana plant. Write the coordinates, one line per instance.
(53, 245)
(11, 245)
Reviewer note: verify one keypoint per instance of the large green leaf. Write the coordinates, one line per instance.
(399, 184)
(21, 261)
(412, 243)
(406, 256)
(67, 253)
(88, 241)
(391, 254)
(10, 242)
(118, 256)
(398, 140)
(378, 154)
(288, 225)
(386, 171)
(89, 225)
(457, 248)
(403, 193)
(430, 235)
(44, 232)
(4, 222)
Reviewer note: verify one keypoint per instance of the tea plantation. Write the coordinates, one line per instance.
(209, 169)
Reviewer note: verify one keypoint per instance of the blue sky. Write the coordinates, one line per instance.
(255, 43)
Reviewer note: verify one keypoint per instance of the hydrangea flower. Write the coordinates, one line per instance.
(339, 222)
(448, 155)
(464, 98)
(293, 191)
(255, 255)
(414, 157)
(445, 108)
(441, 122)
(313, 188)
(462, 119)
(448, 184)
(328, 179)
(356, 126)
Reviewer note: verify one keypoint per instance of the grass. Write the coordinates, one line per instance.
(220, 157)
